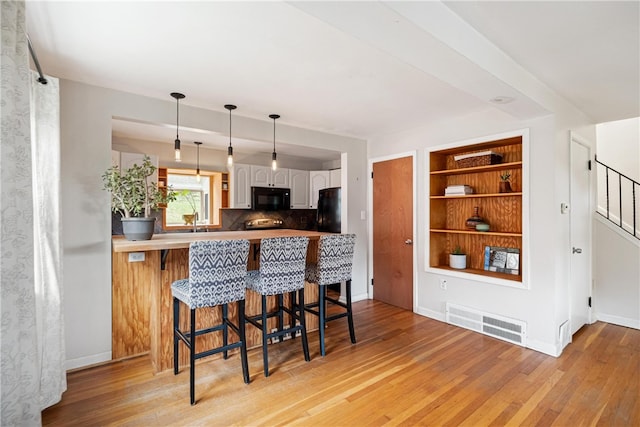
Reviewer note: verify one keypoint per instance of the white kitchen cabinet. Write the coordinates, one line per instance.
(240, 186)
(317, 181)
(335, 178)
(299, 181)
(264, 176)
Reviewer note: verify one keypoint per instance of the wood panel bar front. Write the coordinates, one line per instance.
(142, 306)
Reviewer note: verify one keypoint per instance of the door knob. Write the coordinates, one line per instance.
(408, 242)
(577, 250)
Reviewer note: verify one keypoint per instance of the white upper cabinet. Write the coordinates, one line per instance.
(264, 176)
(240, 186)
(280, 178)
(335, 178)
(299, 181)
(317, 181)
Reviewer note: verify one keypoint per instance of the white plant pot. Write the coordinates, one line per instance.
(458, 261)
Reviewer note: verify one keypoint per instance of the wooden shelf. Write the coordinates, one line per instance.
(495, 274)
(503, 211)
(470, 196)
(477, 169)
(487, 233)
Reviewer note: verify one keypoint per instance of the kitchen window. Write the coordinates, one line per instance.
(201, 198)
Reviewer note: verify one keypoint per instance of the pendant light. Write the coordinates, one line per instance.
(230, 149)
(178, 97)
(198, 144)
(274, 163)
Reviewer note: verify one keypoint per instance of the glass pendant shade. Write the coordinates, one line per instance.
(177, 150)
(178, 96)
(230, 156)
(230, 107)
(198, 144)
(274, 162)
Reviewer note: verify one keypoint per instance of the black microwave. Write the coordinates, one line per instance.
(270, 199)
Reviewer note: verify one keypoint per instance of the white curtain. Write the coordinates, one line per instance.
(45, 151)
(31, 338)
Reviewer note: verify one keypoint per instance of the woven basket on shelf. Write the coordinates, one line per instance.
(480, 160)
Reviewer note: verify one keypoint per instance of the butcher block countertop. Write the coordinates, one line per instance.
(183, 240)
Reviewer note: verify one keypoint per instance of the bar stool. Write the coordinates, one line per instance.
(282, 266)
(334, 265)
(217, 270)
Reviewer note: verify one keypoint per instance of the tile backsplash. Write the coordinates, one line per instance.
(234, 219)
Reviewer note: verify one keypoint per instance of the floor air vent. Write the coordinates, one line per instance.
(514, 331)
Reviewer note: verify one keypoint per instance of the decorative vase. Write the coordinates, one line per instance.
(138, 228)
(475, 219)
(505, 187)
(458, 261)
(188, 219)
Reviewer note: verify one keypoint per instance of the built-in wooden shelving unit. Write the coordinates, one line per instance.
(502, 211)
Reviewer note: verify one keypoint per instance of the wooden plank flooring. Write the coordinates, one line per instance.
(405, 370)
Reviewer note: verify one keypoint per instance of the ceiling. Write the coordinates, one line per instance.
(357, 69)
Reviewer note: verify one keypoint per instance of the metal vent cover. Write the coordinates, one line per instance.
(504, 328)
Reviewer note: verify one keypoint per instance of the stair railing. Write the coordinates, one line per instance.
(611, 176)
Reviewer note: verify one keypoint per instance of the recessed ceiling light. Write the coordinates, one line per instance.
(501, 100)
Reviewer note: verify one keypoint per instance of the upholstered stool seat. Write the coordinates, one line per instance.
(334, 265)
(282, 266)
(217, 271)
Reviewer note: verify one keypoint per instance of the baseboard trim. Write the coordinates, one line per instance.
(618, 320)
(432, 314)
(84, 362)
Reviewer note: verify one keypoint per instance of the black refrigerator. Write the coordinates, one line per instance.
(329, 210)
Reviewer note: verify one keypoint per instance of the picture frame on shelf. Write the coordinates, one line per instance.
(502, 260)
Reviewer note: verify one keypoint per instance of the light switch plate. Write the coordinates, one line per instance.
(136, 256)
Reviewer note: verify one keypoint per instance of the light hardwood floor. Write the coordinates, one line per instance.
(405, 370)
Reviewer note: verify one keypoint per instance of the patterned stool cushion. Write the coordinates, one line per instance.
(335, 260)
(217, 270)
(282, 264)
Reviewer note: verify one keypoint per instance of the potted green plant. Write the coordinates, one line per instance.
(189, 218)
(458, 259)
(505, 182)
(133, 196)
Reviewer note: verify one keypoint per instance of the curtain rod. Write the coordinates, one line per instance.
(41, 79)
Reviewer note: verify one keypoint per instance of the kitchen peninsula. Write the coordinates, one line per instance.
(142, 273)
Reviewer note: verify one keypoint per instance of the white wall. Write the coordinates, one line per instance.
(86, 114)
(210, 159)
(617, 254)
(618, 146)
(617, 276)
(544, 306)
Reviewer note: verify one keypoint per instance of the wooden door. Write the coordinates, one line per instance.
(393, 232)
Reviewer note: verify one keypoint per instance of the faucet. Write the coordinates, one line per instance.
(195, 223)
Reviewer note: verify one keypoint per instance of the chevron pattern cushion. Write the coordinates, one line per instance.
(217, 270)
(335, 260)
(282, 264)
